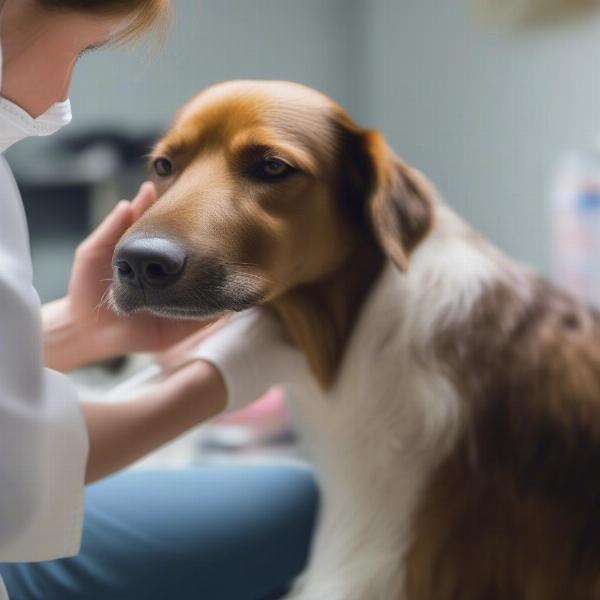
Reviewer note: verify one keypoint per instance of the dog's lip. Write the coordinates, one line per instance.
(179, 312)
(142, 306)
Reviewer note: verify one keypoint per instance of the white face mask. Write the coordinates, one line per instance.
(16, 124)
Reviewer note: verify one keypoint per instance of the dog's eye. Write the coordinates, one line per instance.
(163, 167)
(275, 168)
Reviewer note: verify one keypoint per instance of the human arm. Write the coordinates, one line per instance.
(224, 367)
(122, 433)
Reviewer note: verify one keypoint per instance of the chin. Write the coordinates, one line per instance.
(184, 304)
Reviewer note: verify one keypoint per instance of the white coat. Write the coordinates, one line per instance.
(43, 440)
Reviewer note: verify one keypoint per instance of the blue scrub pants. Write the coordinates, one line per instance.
(215, 533)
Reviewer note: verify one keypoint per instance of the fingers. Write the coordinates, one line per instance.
(122, 216)
(145, 198)
(108, 233)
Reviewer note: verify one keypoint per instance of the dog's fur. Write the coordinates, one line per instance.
(455, 408)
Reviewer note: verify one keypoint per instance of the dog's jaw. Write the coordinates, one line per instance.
(215, 291)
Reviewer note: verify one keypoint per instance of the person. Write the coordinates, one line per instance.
(221, 533)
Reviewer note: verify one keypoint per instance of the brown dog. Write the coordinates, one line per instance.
(457, 412)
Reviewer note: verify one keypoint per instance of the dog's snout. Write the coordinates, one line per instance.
(152, 262)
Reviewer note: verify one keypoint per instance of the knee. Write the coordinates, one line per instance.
(301, 489)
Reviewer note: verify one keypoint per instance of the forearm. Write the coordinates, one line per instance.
(120, 434)
(67, 344)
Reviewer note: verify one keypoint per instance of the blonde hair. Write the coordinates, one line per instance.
(147, 14)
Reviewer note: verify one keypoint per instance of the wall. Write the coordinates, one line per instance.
(310, 41)
(485, 113)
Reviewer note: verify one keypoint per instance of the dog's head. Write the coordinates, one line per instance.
(270, 194)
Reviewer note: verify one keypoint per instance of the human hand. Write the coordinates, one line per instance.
(83, 327)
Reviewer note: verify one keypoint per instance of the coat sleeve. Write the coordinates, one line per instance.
(252, 353)
(43, 441)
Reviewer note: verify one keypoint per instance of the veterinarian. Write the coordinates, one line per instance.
(222, 534)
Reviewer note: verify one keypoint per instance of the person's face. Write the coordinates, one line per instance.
(41, 48)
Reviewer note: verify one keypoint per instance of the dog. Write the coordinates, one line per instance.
(454, 401)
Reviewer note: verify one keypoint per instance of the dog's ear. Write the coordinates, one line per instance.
(400, 203)
(394, 200)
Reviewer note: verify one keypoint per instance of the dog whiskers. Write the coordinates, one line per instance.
(105, 301)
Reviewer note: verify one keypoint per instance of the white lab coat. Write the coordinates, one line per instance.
(43, 439)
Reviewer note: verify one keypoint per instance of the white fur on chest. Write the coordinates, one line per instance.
(391, 417)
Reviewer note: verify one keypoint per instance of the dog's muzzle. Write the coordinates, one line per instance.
(155, 274)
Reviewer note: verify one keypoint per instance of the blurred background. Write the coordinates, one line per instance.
(499, 108)
(486, 110)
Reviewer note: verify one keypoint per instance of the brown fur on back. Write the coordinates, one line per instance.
(514, 511)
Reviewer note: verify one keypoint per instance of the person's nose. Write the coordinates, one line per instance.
(152, 262)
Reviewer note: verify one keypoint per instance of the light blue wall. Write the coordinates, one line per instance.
(485, 113)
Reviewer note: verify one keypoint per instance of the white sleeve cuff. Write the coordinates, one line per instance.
(252, 354)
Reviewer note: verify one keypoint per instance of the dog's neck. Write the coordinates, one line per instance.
(319, 317)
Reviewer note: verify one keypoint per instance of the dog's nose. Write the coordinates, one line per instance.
(152, 262)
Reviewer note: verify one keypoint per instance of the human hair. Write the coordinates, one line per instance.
(146, 13)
